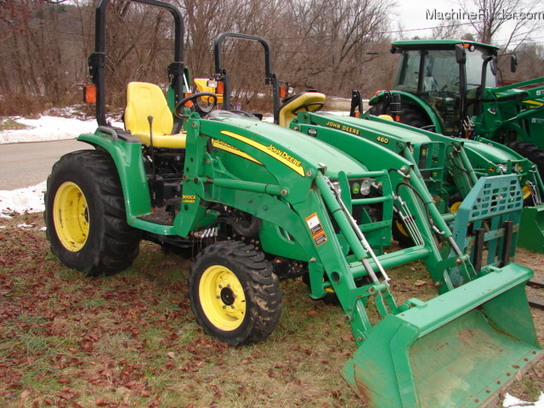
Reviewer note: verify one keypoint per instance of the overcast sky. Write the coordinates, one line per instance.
(415, 16)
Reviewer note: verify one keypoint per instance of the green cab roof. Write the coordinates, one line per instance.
(437, 44)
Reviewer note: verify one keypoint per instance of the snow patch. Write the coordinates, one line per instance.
(47, 128)
(512, 402)
(22, 200)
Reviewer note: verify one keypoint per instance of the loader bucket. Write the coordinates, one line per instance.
(531, 229)
(456, 350)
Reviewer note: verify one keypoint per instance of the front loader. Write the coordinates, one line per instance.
(255, 201)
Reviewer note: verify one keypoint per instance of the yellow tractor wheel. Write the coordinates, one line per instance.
(234, 293)
(85, 214)
(222, 297)
(71, 216)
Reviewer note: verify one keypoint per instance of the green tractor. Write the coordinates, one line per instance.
(450, 87)
(256, 202)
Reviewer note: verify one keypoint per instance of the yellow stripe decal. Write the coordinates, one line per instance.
(279, 155)
(219, 144)
(533, 102)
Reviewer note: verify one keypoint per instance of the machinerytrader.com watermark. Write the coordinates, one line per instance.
(481, 14)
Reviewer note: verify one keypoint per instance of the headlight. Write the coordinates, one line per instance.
(365, 187)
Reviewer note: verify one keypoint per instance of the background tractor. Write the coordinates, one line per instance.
(450, 87)
(255, 201)
(438, 89)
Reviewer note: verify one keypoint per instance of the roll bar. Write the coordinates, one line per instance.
(221, 73)
(97, 60)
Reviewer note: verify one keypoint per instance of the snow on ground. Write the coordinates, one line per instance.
(47, 128)
(29, 199)
(513, 402)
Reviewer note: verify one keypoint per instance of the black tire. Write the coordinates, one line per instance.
(530, 151)
(400, 234)
(234, 293)
(409, 115)
(100, 241)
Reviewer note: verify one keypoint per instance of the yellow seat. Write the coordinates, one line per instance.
(309, 101)
(144, 100)
(386, 117)
(202, 86)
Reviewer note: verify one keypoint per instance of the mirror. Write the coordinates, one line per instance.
(460, 54)
(513, 63)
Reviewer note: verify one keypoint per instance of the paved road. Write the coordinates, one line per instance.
(28, 164)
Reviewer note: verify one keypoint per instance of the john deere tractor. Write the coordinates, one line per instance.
(451, 87)
(450, 167)
(256, 201)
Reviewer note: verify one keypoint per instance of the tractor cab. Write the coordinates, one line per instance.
(446, 76)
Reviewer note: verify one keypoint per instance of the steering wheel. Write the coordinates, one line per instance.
(202, 110)
(307, 106)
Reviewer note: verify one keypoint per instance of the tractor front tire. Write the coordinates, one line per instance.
(85, 215)
(234, 293)
(400, 234)
(531, 152)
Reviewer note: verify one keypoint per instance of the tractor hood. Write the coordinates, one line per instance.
(487, 152)
(382, 127)
(301, 153)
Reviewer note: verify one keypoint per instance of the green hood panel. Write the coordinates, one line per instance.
(385, 129)
(282, 142)
(488, 151)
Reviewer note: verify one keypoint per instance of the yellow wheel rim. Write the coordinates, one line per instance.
(401, 228)
(526, 190)
(71, 216)
(222, 298)
(455, 206)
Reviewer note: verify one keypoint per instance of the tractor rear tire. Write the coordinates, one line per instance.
(234, 293)
(85, 215)
(530, 151)
(409, 115)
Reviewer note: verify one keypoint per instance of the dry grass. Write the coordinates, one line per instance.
(130, 340)
(10, 124)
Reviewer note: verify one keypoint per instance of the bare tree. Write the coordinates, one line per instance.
(333, 40)
(33, 50)
(447, 29)
(331, 46)
(496, 14)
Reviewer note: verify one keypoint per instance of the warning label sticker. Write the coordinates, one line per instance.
(316, 229)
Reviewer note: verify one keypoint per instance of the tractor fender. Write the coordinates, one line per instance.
(519, 133)
(492, 151)
(126, 153)
(410, 99)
